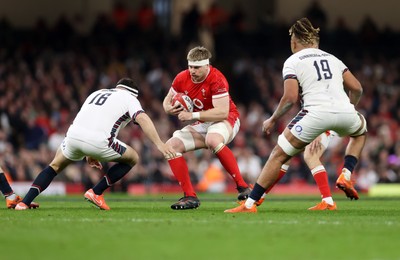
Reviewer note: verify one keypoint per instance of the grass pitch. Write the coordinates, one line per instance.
(146, 228)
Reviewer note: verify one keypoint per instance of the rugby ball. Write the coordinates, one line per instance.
(184, 100)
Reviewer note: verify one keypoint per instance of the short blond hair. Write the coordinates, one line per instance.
(199, 53)
(304, 31)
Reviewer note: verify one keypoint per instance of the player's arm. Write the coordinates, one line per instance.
(150, 131)
(168, 107)
(219, 112)
(353, 86)
(289, 98)
(315, 148)
(94, 163)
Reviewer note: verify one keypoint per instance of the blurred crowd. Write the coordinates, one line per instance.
(46, 72)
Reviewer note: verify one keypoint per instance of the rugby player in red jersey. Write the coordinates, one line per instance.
(216, 123)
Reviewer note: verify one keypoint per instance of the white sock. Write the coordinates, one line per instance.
(263, 196)
(347, 174)
(328, 200)
(12, 196)
(249, 203)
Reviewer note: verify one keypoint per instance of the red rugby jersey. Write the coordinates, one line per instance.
(214, 86)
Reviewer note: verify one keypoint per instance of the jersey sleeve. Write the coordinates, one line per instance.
(288, 71)
(219, 87)
(135, 108)
(343, 68)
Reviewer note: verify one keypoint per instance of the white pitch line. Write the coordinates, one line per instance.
(205, 221)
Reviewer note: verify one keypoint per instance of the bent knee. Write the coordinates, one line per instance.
(213, 143)
(130, 157)
(182, 141)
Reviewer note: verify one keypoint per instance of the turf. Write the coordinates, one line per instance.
(146, 228)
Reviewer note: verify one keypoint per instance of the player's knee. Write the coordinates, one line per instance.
(135, 159)
(176, 144)
(182, 141)
(130, 157)
(212, 143)
(217, 134)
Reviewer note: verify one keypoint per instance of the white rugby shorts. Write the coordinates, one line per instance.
(307, 125)
(204, 128)
(76, 150)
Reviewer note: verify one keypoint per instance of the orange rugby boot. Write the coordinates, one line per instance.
(97, 200)
(242, 209)
(347, 187)
(21, 206)
(11, 204)
(324, 206)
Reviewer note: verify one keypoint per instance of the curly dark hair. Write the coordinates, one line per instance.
(304, 31)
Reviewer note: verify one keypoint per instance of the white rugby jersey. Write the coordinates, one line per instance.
(320, 77)
(103, 114)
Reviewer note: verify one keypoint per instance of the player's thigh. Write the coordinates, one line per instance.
(71, 149)
(102, 150)
(59, 162)
(222, 132)
(189, 138)
(308, 125)
(351, 124)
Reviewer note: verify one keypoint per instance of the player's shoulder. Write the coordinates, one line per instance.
(123, 95)
(215, 71)
(181, 80)
(183, 75)
(215, 74)
(97, 92)
(295, 57)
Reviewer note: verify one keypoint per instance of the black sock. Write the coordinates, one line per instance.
(350, 162)
(41, 182)
(114, 174)
(5, 187)
(257, 192)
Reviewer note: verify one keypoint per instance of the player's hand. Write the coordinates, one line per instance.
(174, 109)
(185, 116)
(167, 151)
(268, 125)
(94, 163)
(315, 146)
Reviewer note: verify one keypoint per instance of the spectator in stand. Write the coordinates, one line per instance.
(190, 23)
